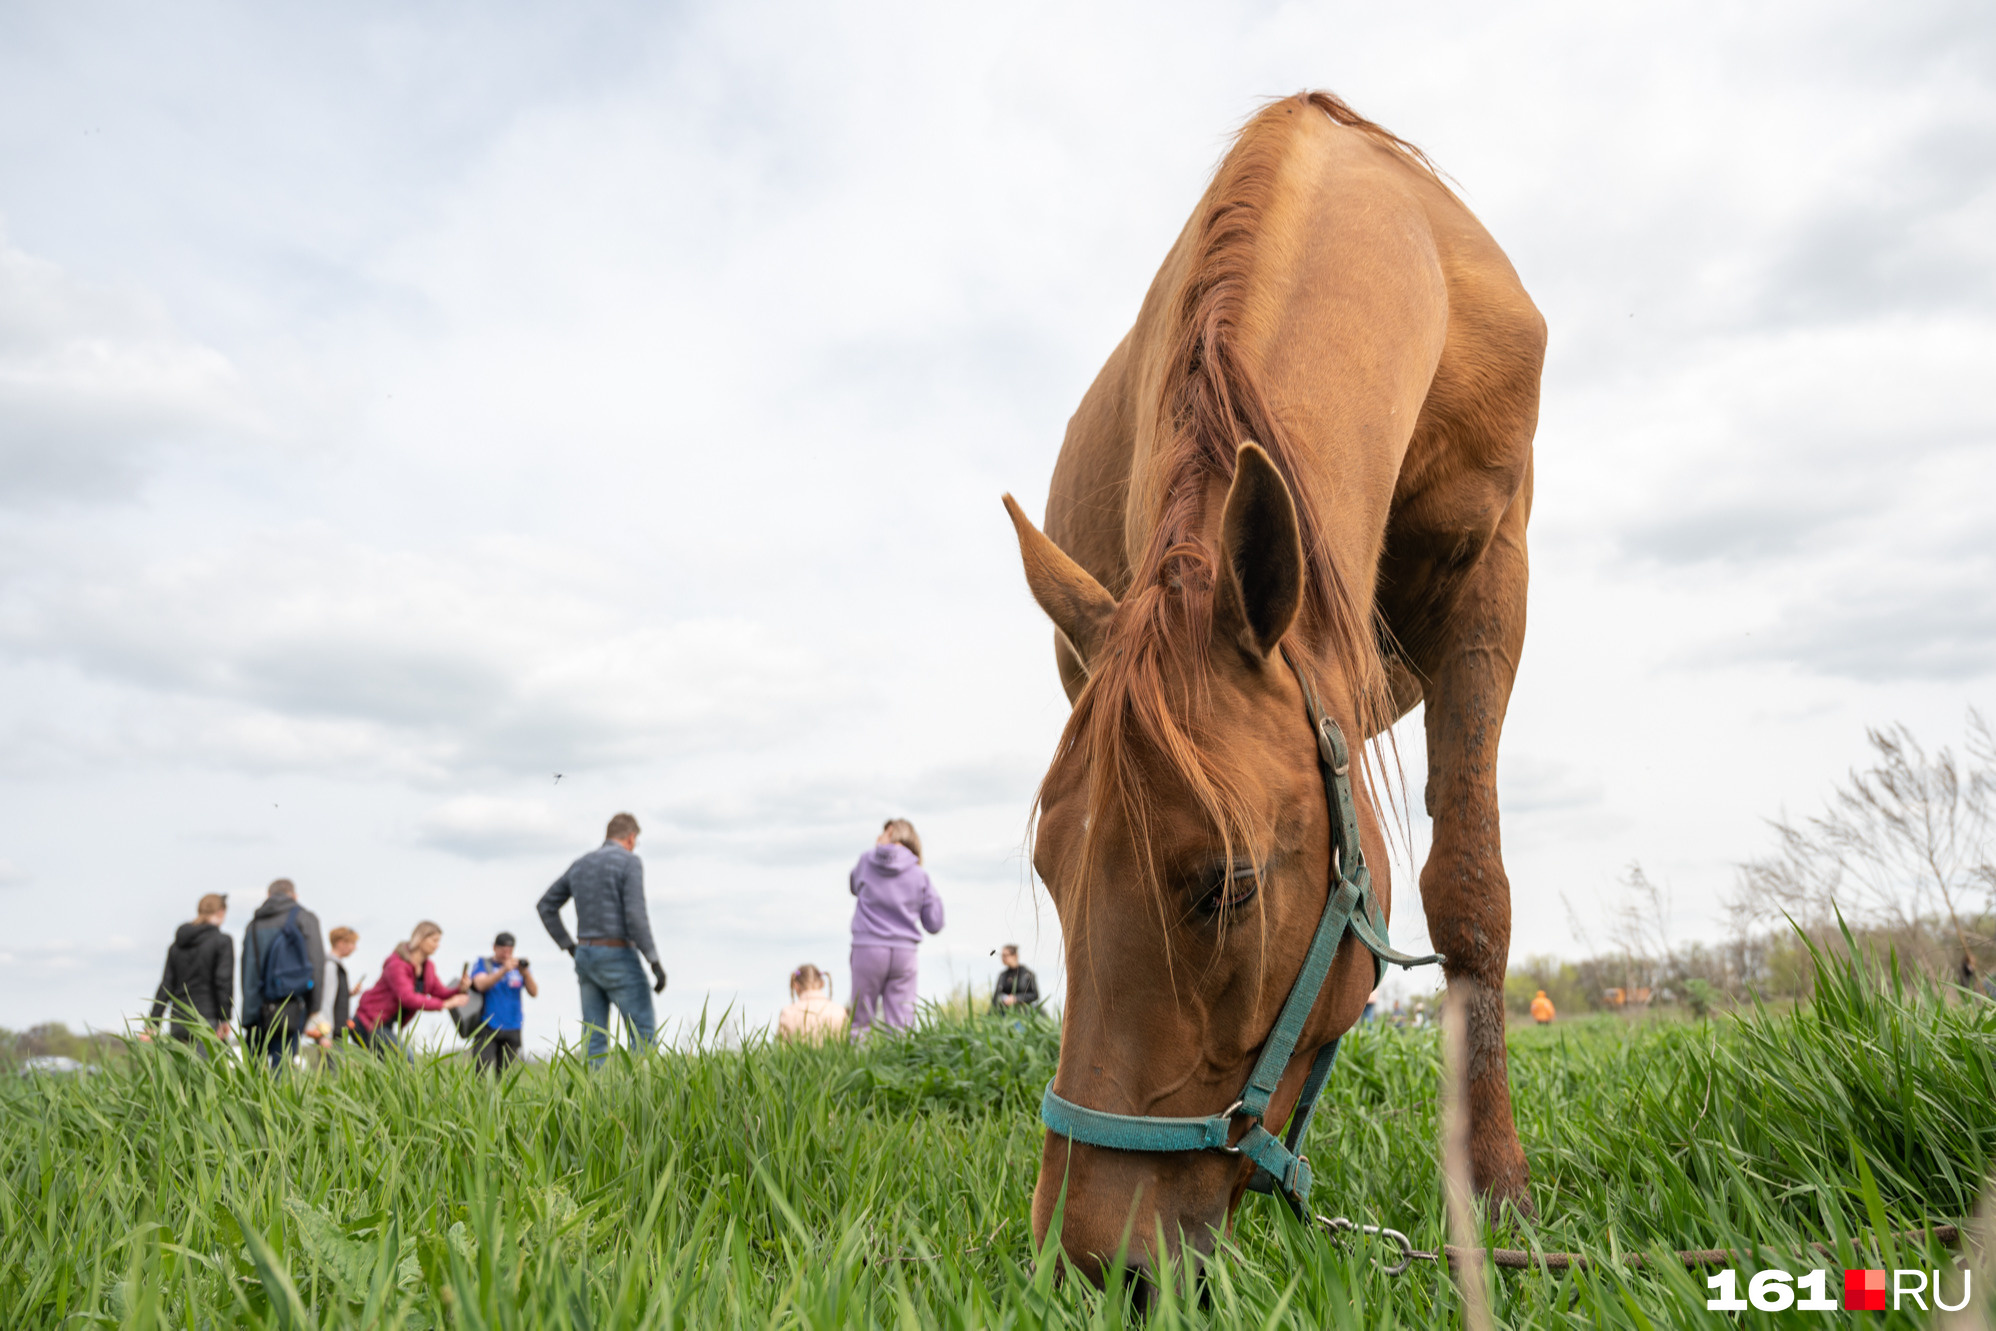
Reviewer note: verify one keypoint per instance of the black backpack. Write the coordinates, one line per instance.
(287, 963)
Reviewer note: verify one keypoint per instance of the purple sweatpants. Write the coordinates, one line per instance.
(883, 987)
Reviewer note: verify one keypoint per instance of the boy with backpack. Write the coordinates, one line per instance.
(283, 956)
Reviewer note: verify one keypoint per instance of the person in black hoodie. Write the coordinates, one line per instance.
(200, 973)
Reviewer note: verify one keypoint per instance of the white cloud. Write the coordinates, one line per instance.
(1532, 784)
(300, 650)
(93, 383)
(829, 817)
(485, 827)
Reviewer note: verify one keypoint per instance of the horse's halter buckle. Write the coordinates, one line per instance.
(1350, 906)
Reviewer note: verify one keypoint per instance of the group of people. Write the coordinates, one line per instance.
(895, 902)
(296, 991)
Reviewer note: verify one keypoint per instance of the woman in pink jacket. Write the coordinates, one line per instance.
(408, 985)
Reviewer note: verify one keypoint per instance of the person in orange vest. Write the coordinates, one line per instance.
(1542, 1011)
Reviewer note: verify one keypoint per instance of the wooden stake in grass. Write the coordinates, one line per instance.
(1979, 1241)
(1471, 1273)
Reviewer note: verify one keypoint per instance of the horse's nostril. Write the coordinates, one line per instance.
(1146, 1293)
(1143, 1291)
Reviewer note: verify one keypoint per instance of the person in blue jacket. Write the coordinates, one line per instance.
(502, 978)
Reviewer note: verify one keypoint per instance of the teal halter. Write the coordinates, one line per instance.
(1349, 907)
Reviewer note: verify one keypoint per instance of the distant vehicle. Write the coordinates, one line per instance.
(54, 1064)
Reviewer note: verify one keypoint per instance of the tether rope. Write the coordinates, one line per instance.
(1520, 1259)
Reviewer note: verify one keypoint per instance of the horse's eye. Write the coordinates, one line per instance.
(1231, 886)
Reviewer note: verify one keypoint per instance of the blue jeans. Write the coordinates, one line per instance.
(613, 975)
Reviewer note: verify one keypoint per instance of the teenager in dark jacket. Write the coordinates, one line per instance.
(1017, 986)
(278, 1024)
(200, 973)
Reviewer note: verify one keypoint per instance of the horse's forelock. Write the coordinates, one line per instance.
(1147, 702)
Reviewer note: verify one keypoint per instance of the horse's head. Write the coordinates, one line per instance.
(1185, 839)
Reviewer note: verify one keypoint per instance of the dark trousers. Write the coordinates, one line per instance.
(385, 1041)
(497, 1049)
(283, 1022)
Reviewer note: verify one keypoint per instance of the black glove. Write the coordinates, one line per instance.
(658, 974)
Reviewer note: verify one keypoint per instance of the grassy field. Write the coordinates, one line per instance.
(890, 1186)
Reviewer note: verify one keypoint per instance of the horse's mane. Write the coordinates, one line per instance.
(1140, 717)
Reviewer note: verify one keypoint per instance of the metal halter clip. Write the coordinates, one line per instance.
(1228, 1113)
(1337, 1224)
(1339, 758)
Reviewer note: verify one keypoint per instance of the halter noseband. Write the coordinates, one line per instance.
(1350, 906)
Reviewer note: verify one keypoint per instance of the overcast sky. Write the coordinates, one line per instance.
(400, 405)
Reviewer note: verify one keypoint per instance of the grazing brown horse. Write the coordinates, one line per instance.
(1315, 446)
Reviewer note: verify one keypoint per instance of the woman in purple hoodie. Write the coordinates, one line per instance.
(896, 902)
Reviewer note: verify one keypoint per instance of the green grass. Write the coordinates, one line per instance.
(890, 1186)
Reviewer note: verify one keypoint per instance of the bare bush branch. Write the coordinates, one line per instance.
(1640, 930)
(1904, 843)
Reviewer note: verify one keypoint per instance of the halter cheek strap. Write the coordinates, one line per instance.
(1350, 907)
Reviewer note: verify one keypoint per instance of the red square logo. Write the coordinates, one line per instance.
(1864, 1291)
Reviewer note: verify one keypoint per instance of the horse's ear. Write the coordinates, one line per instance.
(1078, 605)
(1261, 557)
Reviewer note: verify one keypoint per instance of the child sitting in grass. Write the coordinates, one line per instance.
(812, 1016)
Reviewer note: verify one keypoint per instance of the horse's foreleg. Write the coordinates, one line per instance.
(1463, 887)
